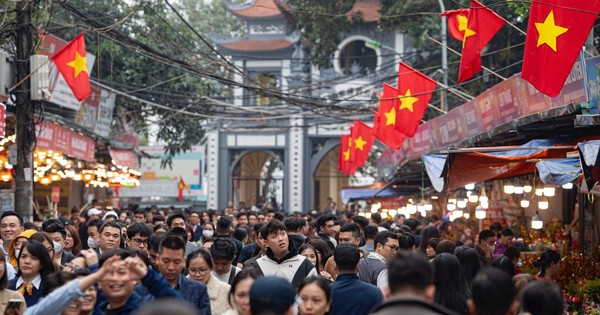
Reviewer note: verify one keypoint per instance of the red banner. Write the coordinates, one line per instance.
(2, 120)
(58, 138)
(124, 158)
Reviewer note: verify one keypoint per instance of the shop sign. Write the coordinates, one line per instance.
(2, 120)
(124, 158)
(54, 137)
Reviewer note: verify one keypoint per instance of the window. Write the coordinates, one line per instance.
(355, 58)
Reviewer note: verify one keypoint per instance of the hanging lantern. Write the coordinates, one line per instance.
(567, 186)
(458, 213)
(509, 188)
(543, 203)
(519, 189)
(462, 203)
(473, 198)
(536, 222)
(527, 188)
(539, 192)
(524, 203)
(470, 186)
(480, 213)
(549, 191)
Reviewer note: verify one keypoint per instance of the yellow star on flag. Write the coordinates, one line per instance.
(79, 64)
(407, 101)
(463, 23)
(549, 31)
(347, 155)
(390, 117)
(359, 143)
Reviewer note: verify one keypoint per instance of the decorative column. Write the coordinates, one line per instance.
(212, 169)
(295, 167)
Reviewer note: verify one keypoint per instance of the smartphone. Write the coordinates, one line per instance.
(14, 304)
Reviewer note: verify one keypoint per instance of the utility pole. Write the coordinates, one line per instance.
(25, 127)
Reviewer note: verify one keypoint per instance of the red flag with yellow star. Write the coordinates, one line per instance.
(414, 92)
(457, 22)
(385, 118)
(362, 140)
(344, 162)
(482, 25)
(180, 189)
(556, 33)
(71, 62)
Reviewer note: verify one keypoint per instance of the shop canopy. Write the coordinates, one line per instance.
(377, 190)
(590, 164)
(461, 167)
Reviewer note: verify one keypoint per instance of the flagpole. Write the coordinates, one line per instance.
(456, 52)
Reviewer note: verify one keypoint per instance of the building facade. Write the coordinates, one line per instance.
(289, 157)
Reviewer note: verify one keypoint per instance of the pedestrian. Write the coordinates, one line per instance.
(315, 294)
(542, 298)
(493, 294)
(239, 295)
(548, 263)
(272, 295)
(450, 289)
(200, 265)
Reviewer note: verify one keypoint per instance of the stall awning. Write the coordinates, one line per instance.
(377, 190)
(51, 136)
(558, 171)
(123, 158)
(460, 168)
(590, 163)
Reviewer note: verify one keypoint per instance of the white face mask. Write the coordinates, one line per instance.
(58, 247)
(17, 252)
(93, 242)
(519, 263)
(208, 233)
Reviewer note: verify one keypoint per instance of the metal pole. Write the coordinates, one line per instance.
(443, 35)
(25, 129)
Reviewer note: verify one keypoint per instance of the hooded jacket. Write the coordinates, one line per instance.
(12, 258)
(292, 267)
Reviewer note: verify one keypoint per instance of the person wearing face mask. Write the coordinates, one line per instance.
(208, 231)
(15, 246)
(57, 232)
(93, 233)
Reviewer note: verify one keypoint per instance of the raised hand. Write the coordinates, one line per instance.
(137, 268)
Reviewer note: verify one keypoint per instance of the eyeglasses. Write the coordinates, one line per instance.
(392, 248)
(139, 241)
(198, 271)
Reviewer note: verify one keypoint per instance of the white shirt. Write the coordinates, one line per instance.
(225, 277)
(382, 278)
(35, 282)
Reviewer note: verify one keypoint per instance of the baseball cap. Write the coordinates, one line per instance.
(93, 211)
(271, 294)
(110, 213)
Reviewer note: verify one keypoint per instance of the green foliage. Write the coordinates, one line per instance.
(321, 23)
(153, 23)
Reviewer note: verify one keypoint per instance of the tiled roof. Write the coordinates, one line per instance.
(258, 45)
(368, 9)
(259, 9)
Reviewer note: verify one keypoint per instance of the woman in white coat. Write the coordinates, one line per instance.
(199, 265)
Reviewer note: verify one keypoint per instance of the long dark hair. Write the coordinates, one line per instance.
(320, 282)
(321, 247)
(469, 263)
(428, 233)
(200, 253)
(4, 278)
(76, 240)
(242, 275)
(308, 246)
(546, 259)
(37, 250)
(450, 290)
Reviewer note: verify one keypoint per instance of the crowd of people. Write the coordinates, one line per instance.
(241, 262)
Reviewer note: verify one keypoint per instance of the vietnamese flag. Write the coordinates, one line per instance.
(362, 140)
(556, 33)
(414, 92)
(457, 22)
(482, 25)
(180, 188)
(71, 62)
(344, 162)
(385, 118)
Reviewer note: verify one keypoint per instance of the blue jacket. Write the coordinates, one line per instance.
(349, 295)
(158, 287)
(192, 291)
(247, 252)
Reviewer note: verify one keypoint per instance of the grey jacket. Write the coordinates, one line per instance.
(410, 305)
